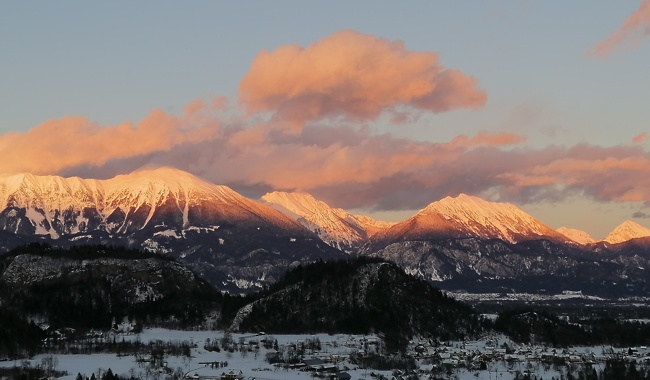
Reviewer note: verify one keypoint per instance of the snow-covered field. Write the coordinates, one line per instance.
(252, 363)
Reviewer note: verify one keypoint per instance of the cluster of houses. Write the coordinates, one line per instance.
(477, 357)
(433, 356)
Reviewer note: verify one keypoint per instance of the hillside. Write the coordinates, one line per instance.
(89, 286)
(357, 296)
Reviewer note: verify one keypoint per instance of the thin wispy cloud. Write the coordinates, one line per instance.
(640, 138)
(633, 31)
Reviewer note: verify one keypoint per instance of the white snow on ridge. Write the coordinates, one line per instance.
(335, 226)
(170, 233)
(143, 192)
(577, 236)
(627, 231)
(469, 216)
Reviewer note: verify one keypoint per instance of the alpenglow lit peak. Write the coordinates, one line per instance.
(51, 205)
(578, 236)
(335, 226)
(469, 216)
(627, 231)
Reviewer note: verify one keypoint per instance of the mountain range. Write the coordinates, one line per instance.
(240, 244)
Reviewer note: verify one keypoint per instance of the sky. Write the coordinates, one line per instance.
(376, 107)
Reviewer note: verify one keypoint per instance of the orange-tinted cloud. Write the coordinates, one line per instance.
(346, 166)
(640, 138)
(59, 144)
(609, 174)
(486, 138)
(353, 76)
(634, 29)
(346, 76)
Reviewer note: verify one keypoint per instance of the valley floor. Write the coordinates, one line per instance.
(502, 359)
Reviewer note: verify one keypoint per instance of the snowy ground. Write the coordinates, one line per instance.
(253, 364)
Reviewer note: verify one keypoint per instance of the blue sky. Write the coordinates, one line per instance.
(115, 62)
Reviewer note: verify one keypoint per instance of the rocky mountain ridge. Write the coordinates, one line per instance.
(334, 226)
(241, 245)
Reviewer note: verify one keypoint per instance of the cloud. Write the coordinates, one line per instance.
(486, 138)
(634, 29)
(60, 144)
(640, 138)
(352, 76)
(329, 89)
(350, 167)
(606, 174)
(640, 215)
(355, 168)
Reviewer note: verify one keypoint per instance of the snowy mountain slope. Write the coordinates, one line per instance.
(577, 236)
(335, 226)
(627, 231)
(55, 206)
(234, 242)
(467, 216)
(370, 225)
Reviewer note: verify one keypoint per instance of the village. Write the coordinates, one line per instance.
(221, 355)
(210, 355)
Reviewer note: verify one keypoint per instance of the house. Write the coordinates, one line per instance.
(232, 375)
(318, 365)
(313, 363)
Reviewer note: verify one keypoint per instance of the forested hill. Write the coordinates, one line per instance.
(90, 286)
(357, 296)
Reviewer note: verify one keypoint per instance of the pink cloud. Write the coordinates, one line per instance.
(347, 76)
(346, 166)
(59, 144)
(640, 138)
(353, 76)
(486, 138)
(634, 29)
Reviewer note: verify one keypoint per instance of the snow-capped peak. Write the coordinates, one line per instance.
(470, 216)
(335, 226)
(55, 205)
(296, 205)
(578, 236)
(628, 230)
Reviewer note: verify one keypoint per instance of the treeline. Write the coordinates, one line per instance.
(96, 293)
(93, 303)
(17, 336)
(536, 326)
(86, 252)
